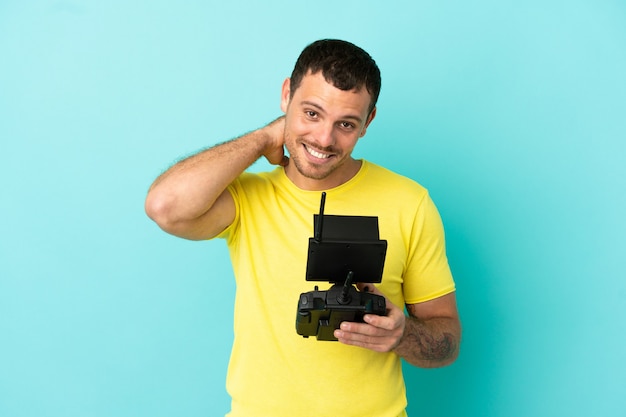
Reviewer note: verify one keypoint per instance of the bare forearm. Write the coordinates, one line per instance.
(190, 188)
(430, 343)
(192, 185)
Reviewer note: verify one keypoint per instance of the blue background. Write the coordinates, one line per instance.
(511, 113)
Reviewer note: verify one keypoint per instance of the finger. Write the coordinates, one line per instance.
(382, 322)
(379, 344)
(360, 328)
(391, 307)
(371, 288)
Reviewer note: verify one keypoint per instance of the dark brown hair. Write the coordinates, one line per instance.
(343, 64)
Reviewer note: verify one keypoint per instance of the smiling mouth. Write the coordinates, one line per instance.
(316, 154)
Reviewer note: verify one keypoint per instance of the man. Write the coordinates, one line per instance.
(266, 219)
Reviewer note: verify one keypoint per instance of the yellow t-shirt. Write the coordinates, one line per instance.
(275, 372)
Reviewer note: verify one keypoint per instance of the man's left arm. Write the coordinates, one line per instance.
(429, 337)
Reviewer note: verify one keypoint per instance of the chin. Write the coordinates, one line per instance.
(313, 172)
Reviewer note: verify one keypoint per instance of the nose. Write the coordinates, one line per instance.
(324, 135)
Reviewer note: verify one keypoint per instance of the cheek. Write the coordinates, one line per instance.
(296, 128)
(290, 141)
(297, 124)
(348, 143)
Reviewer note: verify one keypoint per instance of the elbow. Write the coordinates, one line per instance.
(164, 212)
(159, 210)
(177, 215)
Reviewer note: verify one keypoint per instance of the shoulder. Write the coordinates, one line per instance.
(250, 191)
(251, 182)
(388, 182)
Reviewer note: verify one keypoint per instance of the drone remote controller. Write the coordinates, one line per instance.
(348, 250)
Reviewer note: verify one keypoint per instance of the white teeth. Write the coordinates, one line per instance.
(315, 153)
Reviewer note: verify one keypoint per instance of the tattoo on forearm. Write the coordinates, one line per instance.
(424, 346)
(435, 349)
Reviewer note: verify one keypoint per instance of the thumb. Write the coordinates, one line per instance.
(371, 288)
(391, 307)
(366, 287)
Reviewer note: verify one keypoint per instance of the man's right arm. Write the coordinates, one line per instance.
(190, 200)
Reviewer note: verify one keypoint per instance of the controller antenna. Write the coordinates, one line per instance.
(320, 219)
(344, 298)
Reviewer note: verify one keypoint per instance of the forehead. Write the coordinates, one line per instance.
(314, 88)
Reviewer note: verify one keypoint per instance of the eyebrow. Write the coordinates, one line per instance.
(320, 108)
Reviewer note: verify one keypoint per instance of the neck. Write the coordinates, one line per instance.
(334, 179)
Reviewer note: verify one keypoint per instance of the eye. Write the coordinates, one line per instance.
(311, 114)
(347, 125)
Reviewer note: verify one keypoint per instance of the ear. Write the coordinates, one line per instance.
(285, 95)
(368, 121)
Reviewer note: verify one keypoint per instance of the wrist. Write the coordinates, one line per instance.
(272, 140)
(398, 345)
(275, 131)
